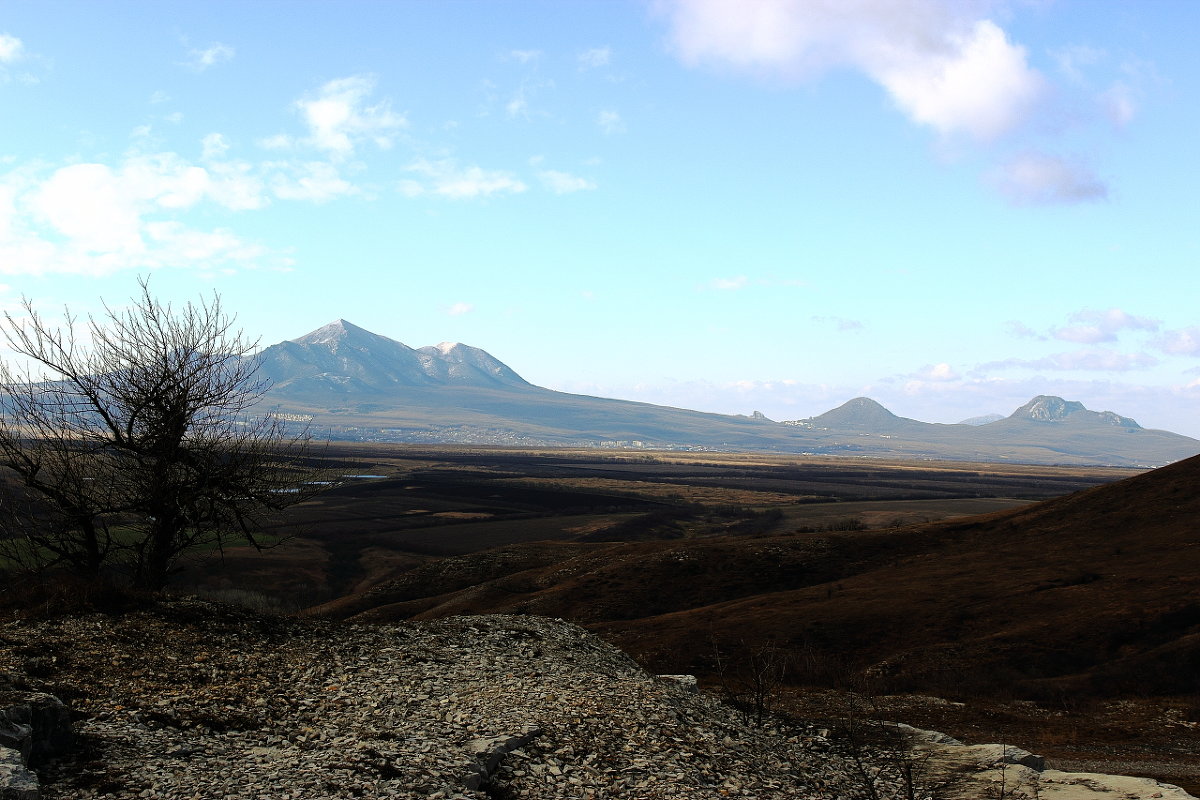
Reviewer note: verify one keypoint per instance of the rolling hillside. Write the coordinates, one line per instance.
(1097, 592)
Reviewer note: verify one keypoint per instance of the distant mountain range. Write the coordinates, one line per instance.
(349, 383)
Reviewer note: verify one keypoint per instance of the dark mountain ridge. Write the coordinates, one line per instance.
(354, 384)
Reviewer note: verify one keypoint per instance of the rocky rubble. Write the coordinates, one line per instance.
(35, 729)
(17, 781)
(191, 701)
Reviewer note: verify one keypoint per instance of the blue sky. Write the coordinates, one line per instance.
(728, 205)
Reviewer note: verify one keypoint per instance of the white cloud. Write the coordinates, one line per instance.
(447, 179)
(521, 103)
(525, 56)
(1088, 326)
(410, 188)
(236, 185)
(1021, 330)
(8, 210)
(730, 284)
(1119, 104)
(280, 141)
(518, 106)
(1092, 327)
(931, 375)
(132, 212)
(980, 84)
(315, 181)
(91, 206)
(11, 49)
(1087, 360)
(595, 57)
(215, 53)
(1073, 60)
(563, 182)
(179, 245)
(93, 218)
(610, 122)
(214, 146)
(841, 323)
(938, 372)
(1182, 342)
(942, 68)
(458, 309)
(338, 117)
(1035, 179)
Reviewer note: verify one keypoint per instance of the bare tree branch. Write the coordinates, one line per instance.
(143, 444)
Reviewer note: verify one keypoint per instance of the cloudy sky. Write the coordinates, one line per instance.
(728, 205)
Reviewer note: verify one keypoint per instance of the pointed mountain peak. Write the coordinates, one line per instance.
(333, 332)
(859, 413)
(340, 334)
(865, 404)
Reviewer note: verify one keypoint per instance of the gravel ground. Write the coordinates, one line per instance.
(193, 701)
(190, 700)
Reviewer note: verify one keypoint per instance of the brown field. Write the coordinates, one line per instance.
(433, 502)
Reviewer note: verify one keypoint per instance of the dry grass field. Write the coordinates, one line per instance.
(423, 503)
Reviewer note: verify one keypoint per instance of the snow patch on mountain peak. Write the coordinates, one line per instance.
(326, 334)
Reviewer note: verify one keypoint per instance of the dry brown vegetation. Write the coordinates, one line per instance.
(435, 502)
(1071, 626)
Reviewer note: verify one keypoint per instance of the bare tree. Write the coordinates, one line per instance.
(133, 440)
(752, 679)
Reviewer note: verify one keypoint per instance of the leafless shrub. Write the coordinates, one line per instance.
(250, 599)
(751, 678)
(847, 524)
(884, 755)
